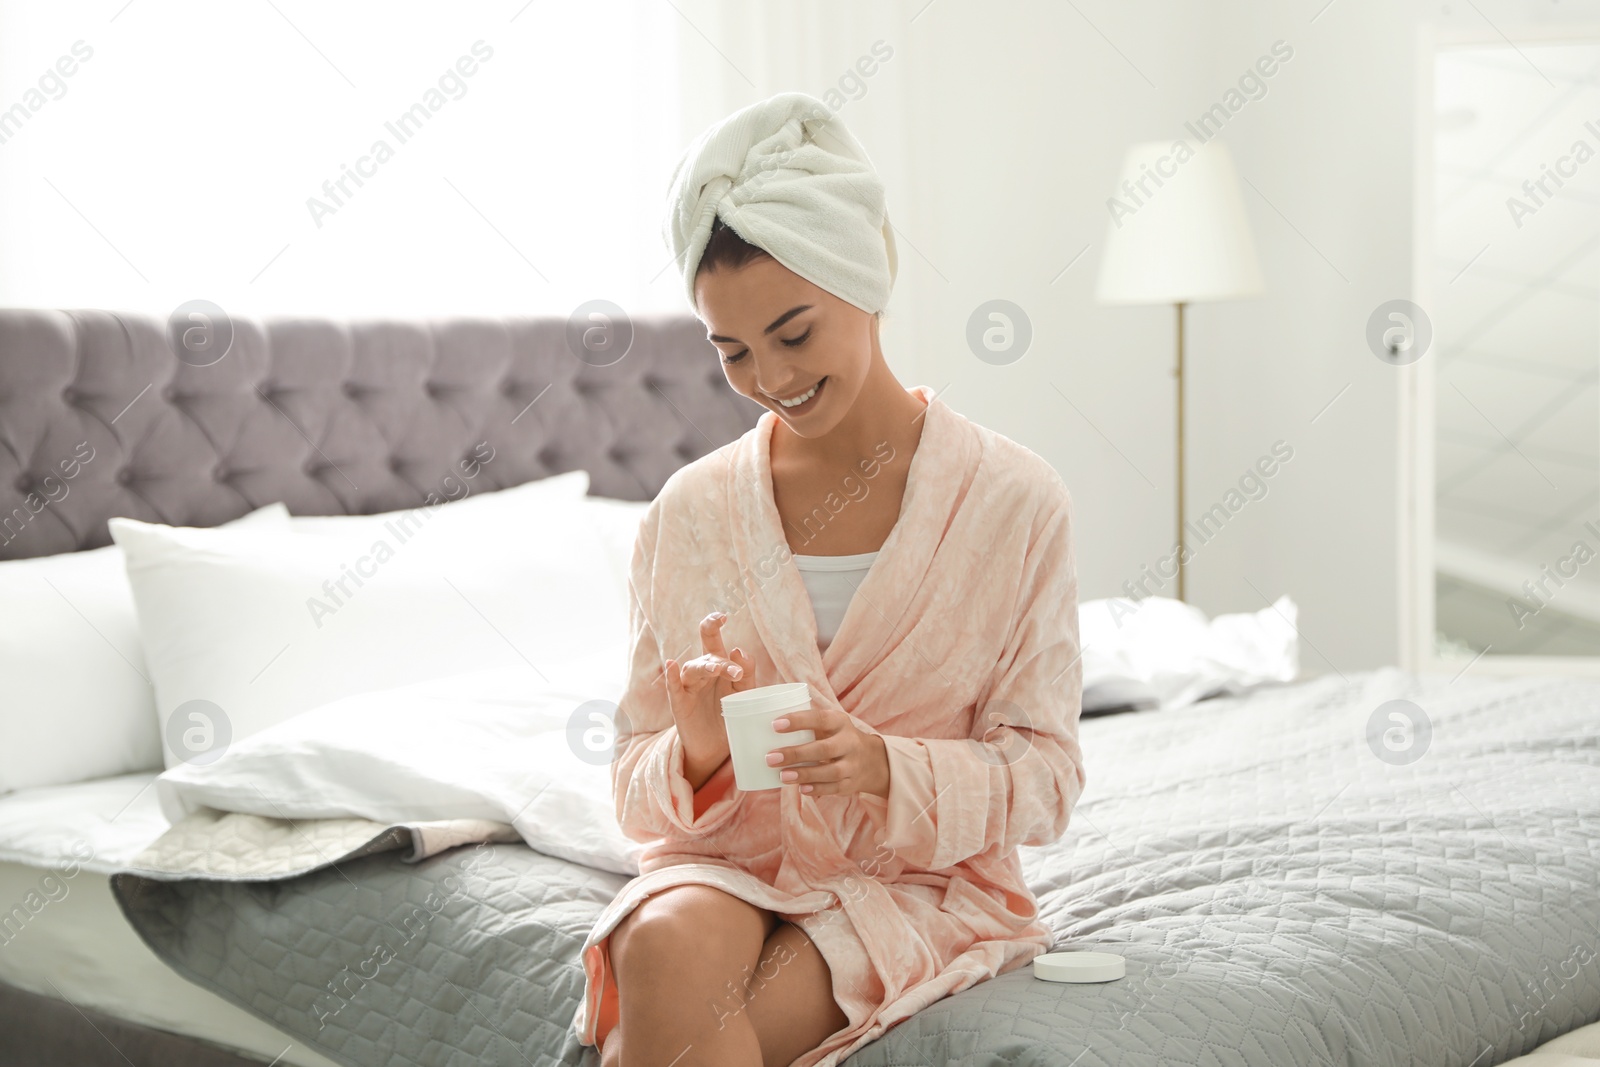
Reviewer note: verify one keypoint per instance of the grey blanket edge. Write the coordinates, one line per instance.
(125, 884)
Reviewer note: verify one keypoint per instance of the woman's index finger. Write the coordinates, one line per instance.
(711, 634)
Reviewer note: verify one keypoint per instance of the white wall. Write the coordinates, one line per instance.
(1331, 147)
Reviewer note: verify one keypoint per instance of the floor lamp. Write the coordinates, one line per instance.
(1178, 233)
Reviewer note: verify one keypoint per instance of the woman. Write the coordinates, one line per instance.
(915, 569)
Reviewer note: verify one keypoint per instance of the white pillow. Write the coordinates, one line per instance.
(77, 704)
(244, 629)
(500, 745)
(1160, 652)
(616, 525)
(571, 486)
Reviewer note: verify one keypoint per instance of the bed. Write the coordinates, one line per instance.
(1287, 883)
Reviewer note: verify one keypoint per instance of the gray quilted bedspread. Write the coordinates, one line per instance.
(1315, 874)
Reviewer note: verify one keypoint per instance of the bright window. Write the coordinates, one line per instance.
(353, 159)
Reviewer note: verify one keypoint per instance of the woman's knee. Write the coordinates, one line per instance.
(686, 928)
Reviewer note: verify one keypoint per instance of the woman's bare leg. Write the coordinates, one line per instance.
(793, 1010)
(681, 958)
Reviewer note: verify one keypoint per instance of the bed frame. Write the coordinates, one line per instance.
(196, 421)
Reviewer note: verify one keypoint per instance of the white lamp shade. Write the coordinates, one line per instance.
(1180, 234)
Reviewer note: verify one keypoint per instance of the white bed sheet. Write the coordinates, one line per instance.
(63, 936)
(100, 824)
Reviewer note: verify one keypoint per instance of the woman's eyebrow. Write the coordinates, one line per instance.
(777, 322)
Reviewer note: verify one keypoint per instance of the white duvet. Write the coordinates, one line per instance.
(532, 750)
(504, 744)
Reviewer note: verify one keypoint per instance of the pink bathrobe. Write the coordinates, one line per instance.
(959, 648)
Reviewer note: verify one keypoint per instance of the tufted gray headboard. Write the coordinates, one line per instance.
(99, 417)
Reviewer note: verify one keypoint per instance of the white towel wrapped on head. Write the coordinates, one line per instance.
(790, 179)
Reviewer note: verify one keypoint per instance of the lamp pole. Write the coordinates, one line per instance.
(1177, 373)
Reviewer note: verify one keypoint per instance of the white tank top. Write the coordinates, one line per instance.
(832, 581)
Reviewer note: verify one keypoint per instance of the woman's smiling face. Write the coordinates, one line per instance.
(782, 338)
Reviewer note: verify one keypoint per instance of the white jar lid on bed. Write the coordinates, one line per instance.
(1079, 967)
